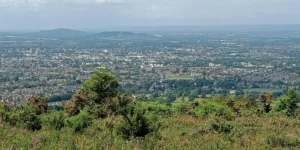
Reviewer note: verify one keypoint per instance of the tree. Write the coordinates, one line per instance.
(101, 86)
(40, 104)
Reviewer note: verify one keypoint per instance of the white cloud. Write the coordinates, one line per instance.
(109, 1)
(36, 4)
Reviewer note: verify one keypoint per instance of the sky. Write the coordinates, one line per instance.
(97, 14)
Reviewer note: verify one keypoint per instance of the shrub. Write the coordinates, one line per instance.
(213, 108)
(222, 126)
(287, 104)
(40, 104)
(26, 118)
(77, 103)
(244, 106)
(99, 111)
(120, 105)
(279, 141)
(266, 100)
(156, 108)
(137, 123)
(3, 113)
(55, 120)
(184, 108)
(80, 122)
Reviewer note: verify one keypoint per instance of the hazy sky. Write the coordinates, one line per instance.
(93, 14)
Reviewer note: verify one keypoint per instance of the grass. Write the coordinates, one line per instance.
(262, 90)
(218, 123)
(178, 132)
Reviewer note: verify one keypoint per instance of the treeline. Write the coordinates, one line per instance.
(59, 98)
(192, 89)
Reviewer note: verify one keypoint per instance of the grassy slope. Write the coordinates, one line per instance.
(179, 132)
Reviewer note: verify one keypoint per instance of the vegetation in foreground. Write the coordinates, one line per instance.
(100, 118)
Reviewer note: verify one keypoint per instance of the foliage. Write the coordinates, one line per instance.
(243, 106)
(55, 120)
(120, 105)
(137, 123)
(212, 108)
(39, 103)
(98, 118)
(77, 103)
(101, 86)
(266, 100)
(286, 104)
(184, 108)
(4, 113)
(80, 122)
(282, 142)
(26, 118)
(222, 126)
(156, 108)
(58, 98)
(152, 129)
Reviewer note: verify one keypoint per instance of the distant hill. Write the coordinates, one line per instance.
(68, 33)
(118, 34)
(8, 34)
(57, 33)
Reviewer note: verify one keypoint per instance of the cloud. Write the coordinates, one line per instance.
(109, 1)
(95, 13)
(28, 5)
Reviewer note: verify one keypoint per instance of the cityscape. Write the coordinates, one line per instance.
(51, 64)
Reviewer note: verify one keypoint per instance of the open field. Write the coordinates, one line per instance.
(262, 90)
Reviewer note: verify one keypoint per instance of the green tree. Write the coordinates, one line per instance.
(101, 86)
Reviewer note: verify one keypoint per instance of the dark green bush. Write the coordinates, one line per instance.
(25, 118)
(80, 122)
(286, 105)
(137, 123)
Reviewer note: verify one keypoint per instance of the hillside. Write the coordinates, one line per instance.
(57, 33)
(119, 34)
